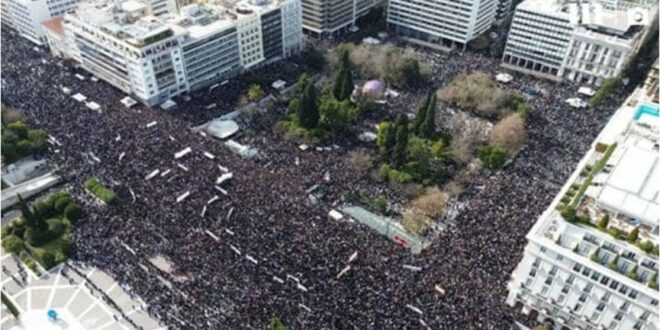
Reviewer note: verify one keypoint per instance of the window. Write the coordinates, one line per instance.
(595, 316)
(654, 302)
(600, 307)
(606, 297)
(604, 280)
(543, 249)
(544, 291)
(532, 272)
(644, 316)
(618, 316)
(548, 281)
(625, 306)
(583, 297)
(560, 257)
(565, 289)
(553, 270)
(586, 271)
(577, 267)
(633, 294)
(614, 285)
(623, 290)
(577, 307)
(561, 298)
(595, 276)
(588, 288)
(570, 279)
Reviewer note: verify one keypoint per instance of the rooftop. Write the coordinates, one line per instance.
(55, 25)
(129, 20)
(597, 15)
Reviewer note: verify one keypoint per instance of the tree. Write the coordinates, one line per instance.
(254, 92)
(276, 324)
(427, 130)
(386, 139)
(492, 157)
(343, 86)
(509, 133)
(633, 234)
(632, 273)
(604, 221)
(30, 218)
(653, 281)
(400, 151)
(335, 115)
(595, 256)
(12, 243)
(421, 114)
(614, 264)
(308, 109)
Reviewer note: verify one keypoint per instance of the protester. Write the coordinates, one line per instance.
(263, 249)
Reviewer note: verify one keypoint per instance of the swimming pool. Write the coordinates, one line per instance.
(647, 109)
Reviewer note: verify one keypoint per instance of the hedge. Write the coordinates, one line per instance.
(12, 243)
(73, 212)
(10, 305)
(36, 237)
(95, 187)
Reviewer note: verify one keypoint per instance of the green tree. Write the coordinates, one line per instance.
(492, 157)
(653, 281)
(633, 235)
(386, 139)
(604, 221)
(614, 264)
(308, 109)
(421, 113)
(400, 151)
(276, 324)
(343, 86)
(254, 92)
(335, 115)
(595, 256)
(12, 243)
(427, 130)
(632, 273)
(30, 218)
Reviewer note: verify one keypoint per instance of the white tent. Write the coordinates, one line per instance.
(66, 90)
(128, 102)
(279, 84)
(79, 97)
(167, 105)
(93, 105)
(586, 91)
(504, 78)
(576, 102)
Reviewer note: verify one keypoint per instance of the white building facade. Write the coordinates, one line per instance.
(26, 16)
(583, 269)
(584, 42)
(444, 22)
(326, 17)
(154, 58)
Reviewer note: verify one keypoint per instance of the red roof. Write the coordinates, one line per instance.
(55, 25)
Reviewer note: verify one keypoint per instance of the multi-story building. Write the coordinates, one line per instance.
(26, 16)
(584, 41)
(651, 84)
(442, 22)
(326, 17)
(503, 9)
(591, 261)
(154, 58)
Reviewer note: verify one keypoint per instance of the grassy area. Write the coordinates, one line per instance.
(10, 305)
(94, 186)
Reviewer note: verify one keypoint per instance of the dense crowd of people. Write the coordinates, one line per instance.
(261, 250)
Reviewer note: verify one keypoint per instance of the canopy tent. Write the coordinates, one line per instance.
(279, 84)
(504, 78)
(128, 102)
(576, 102)
(66, 90)
(222, 129)
(93, 105)
(586, 91)
(79, 97)
(167, 105)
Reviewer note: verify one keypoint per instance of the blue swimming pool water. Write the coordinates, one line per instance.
(647, 109)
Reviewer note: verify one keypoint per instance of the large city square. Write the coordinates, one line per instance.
(232, 233)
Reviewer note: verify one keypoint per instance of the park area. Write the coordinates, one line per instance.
(40, 237)
(411, 149)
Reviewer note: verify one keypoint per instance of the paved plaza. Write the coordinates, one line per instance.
(78, 294)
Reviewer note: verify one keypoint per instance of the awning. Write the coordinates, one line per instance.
(128, 102)
(79, 97)
(167, 105)
(504, 77)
